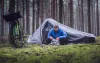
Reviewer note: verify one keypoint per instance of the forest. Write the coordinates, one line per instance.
(82, 15)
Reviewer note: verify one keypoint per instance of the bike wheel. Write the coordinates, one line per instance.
(18, 36)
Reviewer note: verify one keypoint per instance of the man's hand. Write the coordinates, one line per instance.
(57, 38)
(51, 38)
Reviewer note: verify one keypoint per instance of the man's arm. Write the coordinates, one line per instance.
(50, 34)
(64, 35)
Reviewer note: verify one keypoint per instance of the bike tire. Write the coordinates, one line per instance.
(17, 39)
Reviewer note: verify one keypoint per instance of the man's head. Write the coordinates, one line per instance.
(56, 28)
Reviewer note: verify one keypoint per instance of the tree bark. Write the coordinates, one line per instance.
(82, 15)
(33, 24)
(97, 12)
(38, 9)
(2, 20)
(12, 6)
(89, 17)
(53, 8)
(27, 16)
(60, 11)
(71, 13)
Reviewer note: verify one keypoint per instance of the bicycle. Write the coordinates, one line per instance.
(16, 34)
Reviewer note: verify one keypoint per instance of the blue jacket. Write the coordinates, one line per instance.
(60, 33)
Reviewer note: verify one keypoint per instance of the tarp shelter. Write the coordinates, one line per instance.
(74, 36)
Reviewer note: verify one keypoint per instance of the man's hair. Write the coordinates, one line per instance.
(55, 26)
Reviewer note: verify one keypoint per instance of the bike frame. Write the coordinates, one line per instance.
(14, 27)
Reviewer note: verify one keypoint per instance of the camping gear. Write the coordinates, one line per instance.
(74, 36)
(55, 42)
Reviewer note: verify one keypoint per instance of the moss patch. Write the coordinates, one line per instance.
(73, 53)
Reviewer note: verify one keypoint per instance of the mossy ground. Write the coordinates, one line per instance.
(73, 53)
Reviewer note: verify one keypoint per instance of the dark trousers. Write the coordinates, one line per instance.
(62, 41)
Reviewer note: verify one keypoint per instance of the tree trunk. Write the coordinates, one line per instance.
(71, 13)
(89, 17)
(23, 14)
(2, 20)
(53, 8)
(38, 9)
(12, 6)
(27, 16)
(82, 15)
(97, 12)
(60, 11)
(42, 10)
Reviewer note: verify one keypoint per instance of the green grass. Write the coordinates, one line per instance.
(73, 53)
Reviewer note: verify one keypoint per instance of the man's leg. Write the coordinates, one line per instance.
(63, 41)
(48, 41)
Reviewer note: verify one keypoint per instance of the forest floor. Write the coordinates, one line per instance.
(72, 53)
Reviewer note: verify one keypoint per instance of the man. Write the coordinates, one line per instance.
(57, 34)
